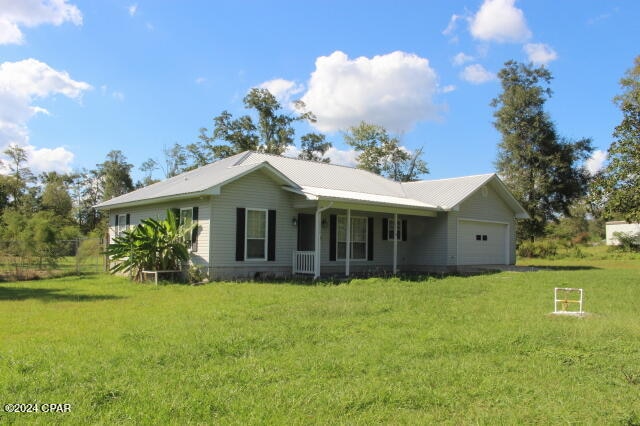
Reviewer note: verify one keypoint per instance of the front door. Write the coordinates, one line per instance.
(306, 232)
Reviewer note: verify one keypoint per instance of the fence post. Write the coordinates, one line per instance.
(76, 248)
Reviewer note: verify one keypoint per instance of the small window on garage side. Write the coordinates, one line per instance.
(478, 237)
(484, 238)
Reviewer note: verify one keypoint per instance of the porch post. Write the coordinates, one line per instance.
(395, 243)
(317, 242)
(348, 250)
(316, 256)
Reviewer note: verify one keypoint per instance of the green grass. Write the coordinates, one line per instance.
(480, 349)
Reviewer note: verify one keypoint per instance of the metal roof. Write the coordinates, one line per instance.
(446, 193)
(317, 180)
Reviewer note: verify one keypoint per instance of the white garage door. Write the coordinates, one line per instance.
(482, 243)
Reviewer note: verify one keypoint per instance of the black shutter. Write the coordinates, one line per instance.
(385, 229)
(240, 218)
(404, 230)
(194, 232)
(176, 214)
(333, 236)
(271, 230)
(117, 220)
(128, 219)
(370, 239)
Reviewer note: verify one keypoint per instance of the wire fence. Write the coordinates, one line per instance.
(26, 260)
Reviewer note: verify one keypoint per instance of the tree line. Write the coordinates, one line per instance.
(544, 170)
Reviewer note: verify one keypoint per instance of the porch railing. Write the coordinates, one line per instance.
(304, 262)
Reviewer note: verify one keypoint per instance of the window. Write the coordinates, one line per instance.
(186, 218)
(391, 228)
(256, 234)
(358, 238)
(122, 223)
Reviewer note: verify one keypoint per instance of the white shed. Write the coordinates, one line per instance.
(620, 226)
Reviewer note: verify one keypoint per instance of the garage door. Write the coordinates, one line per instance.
(482, 243)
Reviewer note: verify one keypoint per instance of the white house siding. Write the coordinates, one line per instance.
(428, 241)
(488, 206)
(159, 211)
(624, 227)
(256, 190)
(424, 249)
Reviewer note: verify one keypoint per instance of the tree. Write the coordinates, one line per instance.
(314, 147)
(148, 167)
(20, 173)
(114, 174)
(271, 133)
(543, 170)
(382, 154)
(617, 186)
(175, 160)
(55, 196)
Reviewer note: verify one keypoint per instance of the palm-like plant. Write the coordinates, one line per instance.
(151, 245)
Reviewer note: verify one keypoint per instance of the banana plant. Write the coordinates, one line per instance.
(151, 245)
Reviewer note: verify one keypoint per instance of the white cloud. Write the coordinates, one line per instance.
(21, 83)
(133, 9)
(118, 96)
(540, 53)
(31, 13)
(44, 159)
(337, 156)
(596, 162)
(282, 89)
(477, 74)
(201, 80)
(461, 58)
(347, 157)
(449, 88)
(453, 23)
(501, 21)
(393, 90)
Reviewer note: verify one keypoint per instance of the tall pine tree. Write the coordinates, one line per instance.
(618, 185)
(543, 170)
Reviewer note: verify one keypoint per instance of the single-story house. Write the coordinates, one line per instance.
(267, 215)
(620, 226)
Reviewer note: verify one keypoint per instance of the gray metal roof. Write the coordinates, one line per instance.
(445, 193)
(317, 181)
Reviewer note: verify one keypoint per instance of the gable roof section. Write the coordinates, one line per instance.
(448, 194)
(318, 181)
(328, 176)
(205, 180)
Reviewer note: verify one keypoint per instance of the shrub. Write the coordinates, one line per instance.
(628, 241)
(543, 248)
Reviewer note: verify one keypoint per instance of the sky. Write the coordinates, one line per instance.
(81, 78)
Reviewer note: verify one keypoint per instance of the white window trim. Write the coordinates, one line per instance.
(390, 229)
(122, 224)
(189, 242)
(366, 239)
(266, 236)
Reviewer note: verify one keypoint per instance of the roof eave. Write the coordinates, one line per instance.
(156, 200)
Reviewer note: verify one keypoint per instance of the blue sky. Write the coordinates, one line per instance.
(81, 78)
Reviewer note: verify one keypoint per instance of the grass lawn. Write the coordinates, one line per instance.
(457, 350)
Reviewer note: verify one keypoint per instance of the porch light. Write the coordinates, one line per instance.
(294, 221)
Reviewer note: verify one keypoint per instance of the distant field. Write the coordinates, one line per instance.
(481, 349)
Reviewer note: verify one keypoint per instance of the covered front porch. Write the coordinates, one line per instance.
(342, 238)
